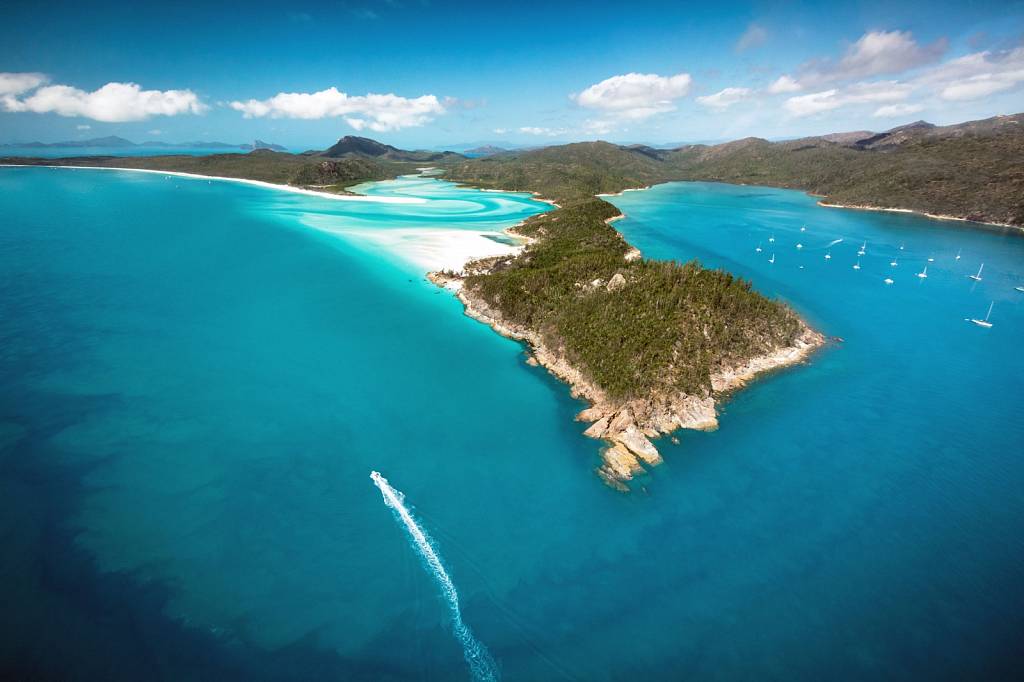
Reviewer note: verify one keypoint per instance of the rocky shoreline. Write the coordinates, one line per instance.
(627, 427)
(977, 220)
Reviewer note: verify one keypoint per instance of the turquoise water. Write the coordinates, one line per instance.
(198, 378)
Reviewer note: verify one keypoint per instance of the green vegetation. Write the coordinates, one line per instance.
(974, 173)
(269, 166)
(635, 326)
(971, 170)
(567, 172)
(663, 327)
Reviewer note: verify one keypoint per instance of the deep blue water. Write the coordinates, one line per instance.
(196, 380)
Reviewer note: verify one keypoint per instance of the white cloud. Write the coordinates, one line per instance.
(635, 96)
(83, 126)
(893, 110)
(814, 103)
(875, 53)
(784, 84)
(16, 83)
(754, 36)
(380, 113)
(883, 52)
(112, 103)
(500, 131)
(859, 93)
(547, 132)
(976, 75)
(724, 99)
(155, 131)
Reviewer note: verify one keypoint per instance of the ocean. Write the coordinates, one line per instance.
(198, 379)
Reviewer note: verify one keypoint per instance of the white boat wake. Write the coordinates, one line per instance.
(833, 243)
(481, 665)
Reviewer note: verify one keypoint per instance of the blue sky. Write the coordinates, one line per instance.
(426, 73)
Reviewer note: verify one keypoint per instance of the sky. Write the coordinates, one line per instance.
(431, 73)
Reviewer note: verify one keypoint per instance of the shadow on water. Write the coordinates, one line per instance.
(63, 619)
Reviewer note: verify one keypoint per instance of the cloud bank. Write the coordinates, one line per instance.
(112, 103)
(380, 113)
(635, 96)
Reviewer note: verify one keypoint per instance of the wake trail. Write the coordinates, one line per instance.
(481, 665)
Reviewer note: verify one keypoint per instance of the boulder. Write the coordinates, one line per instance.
(621, 462)
(638, 444)
(616, 282)
(621, 421)
(597, 429)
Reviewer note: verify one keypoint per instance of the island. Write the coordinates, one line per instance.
(651, 346)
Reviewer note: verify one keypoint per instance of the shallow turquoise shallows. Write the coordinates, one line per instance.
(197, 378)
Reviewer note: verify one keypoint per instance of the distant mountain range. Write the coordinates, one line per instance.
(486, 150)
(970, 170)
(114, 142)
(352, 145)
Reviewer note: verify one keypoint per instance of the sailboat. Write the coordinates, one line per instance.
(758, 249)
(772, 259)
(901, 246)
(888, 280)
(771, 240)
(977, 277)
(893, 262)
(958, 254)
(924, 273)
(857, 265)
(828, 255)
(863, 249)
(803, 228)
(799, 246)
(984, 323)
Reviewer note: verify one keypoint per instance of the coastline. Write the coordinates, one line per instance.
(256, 183)
(932, 216)
(625, 426)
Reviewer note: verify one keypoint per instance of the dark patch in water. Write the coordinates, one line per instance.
(63, 619)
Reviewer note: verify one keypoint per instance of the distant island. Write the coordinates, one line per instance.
(486, 150)
(115, 142)
(652, 345)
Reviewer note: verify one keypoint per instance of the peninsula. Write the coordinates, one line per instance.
(652, 346)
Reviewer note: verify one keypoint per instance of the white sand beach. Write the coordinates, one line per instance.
(257, 183)
(431, 249)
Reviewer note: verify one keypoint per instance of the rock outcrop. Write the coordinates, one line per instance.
(626, 426)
